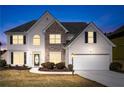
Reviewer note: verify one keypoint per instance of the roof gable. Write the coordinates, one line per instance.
(102, 34)
(97, 29)
(56, 22)
(45, 19)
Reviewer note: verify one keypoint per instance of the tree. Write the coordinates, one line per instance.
(0, 49)
(0, 45)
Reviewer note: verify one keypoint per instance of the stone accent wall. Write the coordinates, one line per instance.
(55, 28)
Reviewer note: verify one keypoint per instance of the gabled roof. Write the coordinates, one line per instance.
(72, 27)
(97, 29)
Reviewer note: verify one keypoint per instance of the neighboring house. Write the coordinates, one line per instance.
(49, 40)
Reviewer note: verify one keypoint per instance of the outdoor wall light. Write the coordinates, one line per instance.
(72, 55)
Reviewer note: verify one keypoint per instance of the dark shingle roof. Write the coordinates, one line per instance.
(74, 27)
(117, 33)
(22, 28)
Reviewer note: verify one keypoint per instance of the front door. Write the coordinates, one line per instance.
(36, 59)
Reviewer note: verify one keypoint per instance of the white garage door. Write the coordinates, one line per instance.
(91, 62)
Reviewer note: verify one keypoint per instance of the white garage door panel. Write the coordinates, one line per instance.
(91, 62)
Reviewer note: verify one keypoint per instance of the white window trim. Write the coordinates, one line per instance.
(34, 38)
(18, 40)
(90, 37)
(54, 39)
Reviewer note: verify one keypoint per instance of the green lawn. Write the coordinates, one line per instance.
(21, 78)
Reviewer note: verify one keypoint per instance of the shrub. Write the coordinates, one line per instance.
(48, 65)
(9, 65)
(115, 66)
(43, 65)
(24, 65)
(60, 65)
(70, 67)
(2, 63)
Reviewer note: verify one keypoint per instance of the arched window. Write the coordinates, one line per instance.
(36, 40)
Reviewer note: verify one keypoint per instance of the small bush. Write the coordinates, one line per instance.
(43, 65)
(2, 63)
(60, 65)
(16, 66)
(24, 65)
(9, 65)
(48, 65)
(115, 66)
(70, 67)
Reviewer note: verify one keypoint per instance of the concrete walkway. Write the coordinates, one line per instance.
(35, 70)
(107, 78)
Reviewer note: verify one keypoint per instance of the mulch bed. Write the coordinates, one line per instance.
(14, 68)
(54, 70)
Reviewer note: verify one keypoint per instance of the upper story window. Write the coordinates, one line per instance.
(90, 37)
(18, 39)
(36, 40)
(55, 38)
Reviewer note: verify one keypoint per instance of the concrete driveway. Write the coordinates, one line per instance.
(107, 78)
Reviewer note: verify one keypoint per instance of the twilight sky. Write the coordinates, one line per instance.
(107, 18)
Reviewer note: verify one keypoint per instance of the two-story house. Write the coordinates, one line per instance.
(49, 40)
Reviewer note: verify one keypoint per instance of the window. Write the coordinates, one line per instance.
(36, 40)
(36, 59)
(55, 38)
(18, 58)
(90, 37)
(55, 57)
(18, 39)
